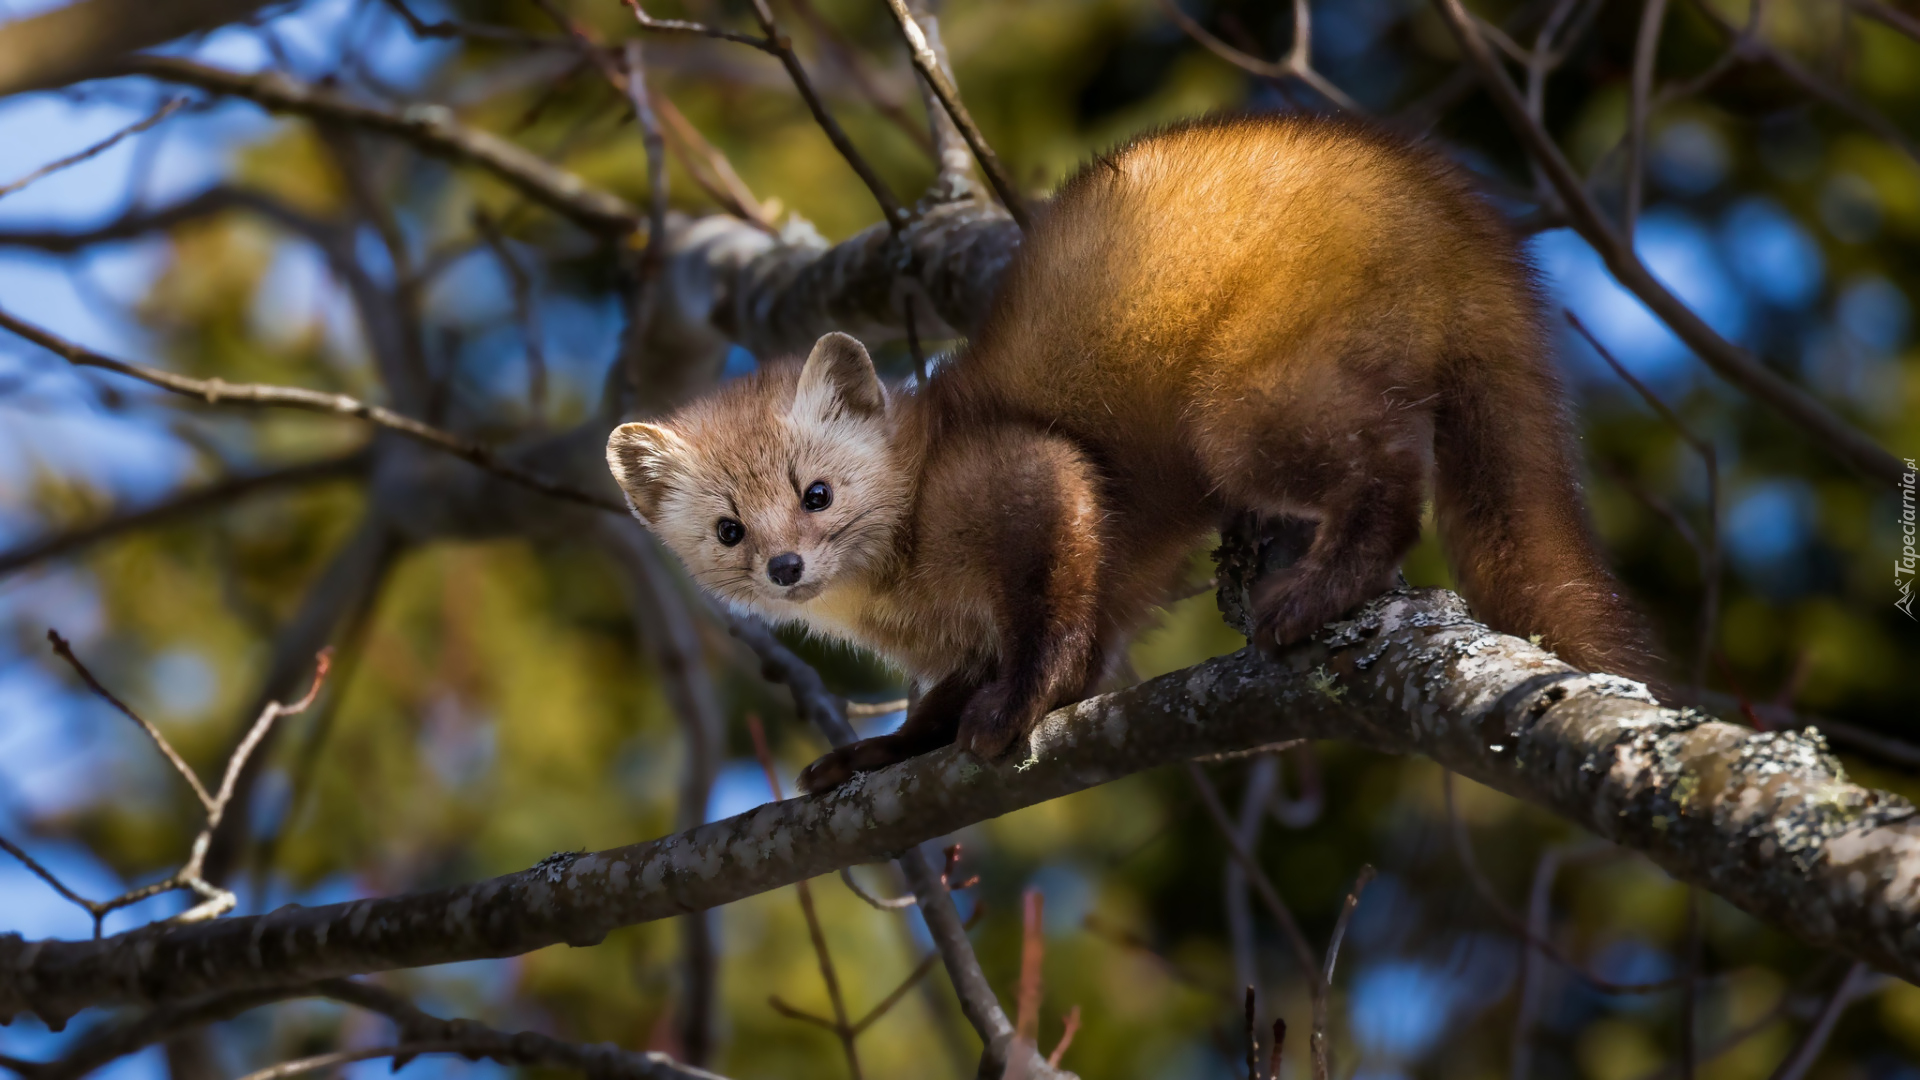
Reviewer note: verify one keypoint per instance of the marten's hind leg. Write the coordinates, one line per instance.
(1336, 476)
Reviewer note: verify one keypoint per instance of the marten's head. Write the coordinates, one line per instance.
(775, 486)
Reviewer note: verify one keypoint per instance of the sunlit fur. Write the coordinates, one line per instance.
(747, 452)
(1305, 322)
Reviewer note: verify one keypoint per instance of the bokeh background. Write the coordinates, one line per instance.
(495, 705)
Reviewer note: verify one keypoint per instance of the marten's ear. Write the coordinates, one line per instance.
(839, 377)
(641, 457)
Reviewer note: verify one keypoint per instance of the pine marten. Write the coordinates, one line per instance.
(1288, 317)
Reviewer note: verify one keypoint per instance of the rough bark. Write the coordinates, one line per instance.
(1764, 819)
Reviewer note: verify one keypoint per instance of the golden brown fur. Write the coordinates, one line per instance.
(1294, 318)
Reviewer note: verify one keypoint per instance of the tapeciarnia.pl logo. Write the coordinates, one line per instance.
(1903, 567)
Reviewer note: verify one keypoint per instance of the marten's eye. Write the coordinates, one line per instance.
(818, 497)
(730, 531)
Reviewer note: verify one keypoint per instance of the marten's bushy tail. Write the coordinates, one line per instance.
(1507, 493)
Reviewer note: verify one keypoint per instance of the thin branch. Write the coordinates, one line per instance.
(928, 62)
(1463, 847)
(1346, 915)
(1816, 84)
(828, 975)
(1807, 1051)
(1539, 914)
(214, 900)
(1296, 65)
(866, 710)
(1310, 968)
(651, 256)
(1733, 363)
(776, 44)
(477, 1040)
(526, 310)
(433, 129)
(1646, 47)
(1887, 13)
(710, 168)
(1033, 951)
(811, 698)
(183, 504)
(101, 147)
(64, 650)
(44, 874)
(219, 391)
(1707, 547)
(682, 26)
(1690, 989)
(452, 29)
(854, 63)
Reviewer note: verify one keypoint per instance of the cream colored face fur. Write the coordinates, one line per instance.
(747, 453)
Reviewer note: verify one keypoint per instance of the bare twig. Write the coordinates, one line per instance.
(1253, 1033)
(863, 710)
(1732, 362)
(854, 63)
(1690, 988)
(1297, 64)
(526, 310)
(44, 874)
(840, 1026)
(449, 29)
(1645, 48)
(928, 61)
(1463, 847)
(64, 651)
(1539, 912)
(1706, 547)
(207, 497)
(776, 44)
(1033, 950)
(101, 147)
(710, 168)
(1807, 1050)
(1360, 882)
(219, 391)
(651, 256)
(1310, 968)
(1887, 13)
(431, 128)
(1814, 83)
(214, 900)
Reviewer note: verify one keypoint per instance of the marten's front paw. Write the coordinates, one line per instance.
(838, 767)
(1284, 613)
(996, 719)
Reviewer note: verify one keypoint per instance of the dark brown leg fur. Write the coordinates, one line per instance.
(1343, 450)
(930, 725)
(1046, 553)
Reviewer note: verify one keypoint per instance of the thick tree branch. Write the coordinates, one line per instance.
(431, 128)
(1765, 819)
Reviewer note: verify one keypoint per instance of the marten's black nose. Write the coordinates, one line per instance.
(784, 570)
